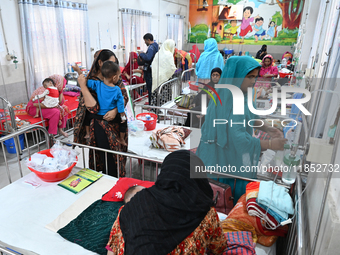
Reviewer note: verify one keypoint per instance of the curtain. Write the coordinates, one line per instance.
(136, 24)
(176, 29)
(50, 31)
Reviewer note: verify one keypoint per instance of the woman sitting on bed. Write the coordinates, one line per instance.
(131, 74)
(175, 216)
(51, 114)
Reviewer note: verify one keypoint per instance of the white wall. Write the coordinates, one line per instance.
(105, 15)
(12, 80)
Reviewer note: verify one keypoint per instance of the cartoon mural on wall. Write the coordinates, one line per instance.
(274, 22)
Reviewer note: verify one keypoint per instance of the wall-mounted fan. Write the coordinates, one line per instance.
(273, 2)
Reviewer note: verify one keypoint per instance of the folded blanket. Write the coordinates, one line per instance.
(91, 229)
(252, 190)
(276, 198)
(240, 243)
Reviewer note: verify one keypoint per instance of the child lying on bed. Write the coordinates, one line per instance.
(109, 97)
(51, 97)
(131, 192)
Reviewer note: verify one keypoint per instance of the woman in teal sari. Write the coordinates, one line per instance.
(234, 145)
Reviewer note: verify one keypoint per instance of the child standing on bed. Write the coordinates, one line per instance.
(109, 97)
(51, 99)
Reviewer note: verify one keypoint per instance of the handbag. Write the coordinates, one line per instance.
(223, 198)
(185, 101)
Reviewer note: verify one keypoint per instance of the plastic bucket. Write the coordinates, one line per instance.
(149, 124)
(10, 145)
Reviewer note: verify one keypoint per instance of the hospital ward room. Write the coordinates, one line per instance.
(169, 127)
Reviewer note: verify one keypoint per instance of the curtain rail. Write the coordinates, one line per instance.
(134, 11)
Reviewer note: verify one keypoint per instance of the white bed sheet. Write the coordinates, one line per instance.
(263, 250)
(141, 145)
(26, 211)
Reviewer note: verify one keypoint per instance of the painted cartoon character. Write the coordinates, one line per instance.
(271, 30)
(75, 183)
(259, 31)
(233, 29)
(245, 26)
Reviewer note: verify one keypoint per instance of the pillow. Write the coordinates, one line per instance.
(117, 193)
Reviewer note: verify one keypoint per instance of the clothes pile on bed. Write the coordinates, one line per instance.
(169, 138)
(262, 212)
(71, 90)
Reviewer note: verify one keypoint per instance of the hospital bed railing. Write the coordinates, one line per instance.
(7, 117)
(128, 155)
(185, 81)
(140, 89)
(35, 129)
(166, 114)
(174, 88)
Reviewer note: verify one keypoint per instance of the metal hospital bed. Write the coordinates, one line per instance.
(295, 241)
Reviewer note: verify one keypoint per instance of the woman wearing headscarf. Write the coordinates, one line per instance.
(262, 52)
(209, 59)
(163, 67)
(196, 105)
(131, 73)
(197, 53)
(232, 144)
(52, 114)
(103, 132)
(267, 72)
(175, 216)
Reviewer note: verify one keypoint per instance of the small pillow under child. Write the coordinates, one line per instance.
(117, 193)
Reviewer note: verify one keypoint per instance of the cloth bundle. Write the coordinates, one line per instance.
(252, 190)
(272, 209)
(276, 198)
(169, 138)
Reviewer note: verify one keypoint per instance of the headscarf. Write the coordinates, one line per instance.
(263, 49)
(198, 98)
(210, 58)
(196, 51)
(183, 56)
(163, 65)
(59, 82)
(128, 69)
(287, 55)
(225, 145)
(270, 57)
(159, 218)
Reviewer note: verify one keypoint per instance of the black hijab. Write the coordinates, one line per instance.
(215, 70)
(159, 218)
(263, 49)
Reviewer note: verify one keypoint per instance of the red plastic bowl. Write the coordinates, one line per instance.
(283, 75)
(149, 124)
(52, 176)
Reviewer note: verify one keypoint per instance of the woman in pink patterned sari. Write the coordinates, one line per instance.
(53, 115)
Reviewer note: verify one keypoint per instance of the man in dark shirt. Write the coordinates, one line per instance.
(148, 57)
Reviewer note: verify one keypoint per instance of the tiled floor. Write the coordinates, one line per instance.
(14, 164)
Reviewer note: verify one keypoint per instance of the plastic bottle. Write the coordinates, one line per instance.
(291, 162)
(69, 68)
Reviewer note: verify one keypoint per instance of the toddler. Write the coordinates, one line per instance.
(109, 97)
(131, 192)
(51, 99)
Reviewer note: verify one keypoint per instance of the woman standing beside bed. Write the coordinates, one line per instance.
(233, 144)
(103, 132)
(175, 216)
